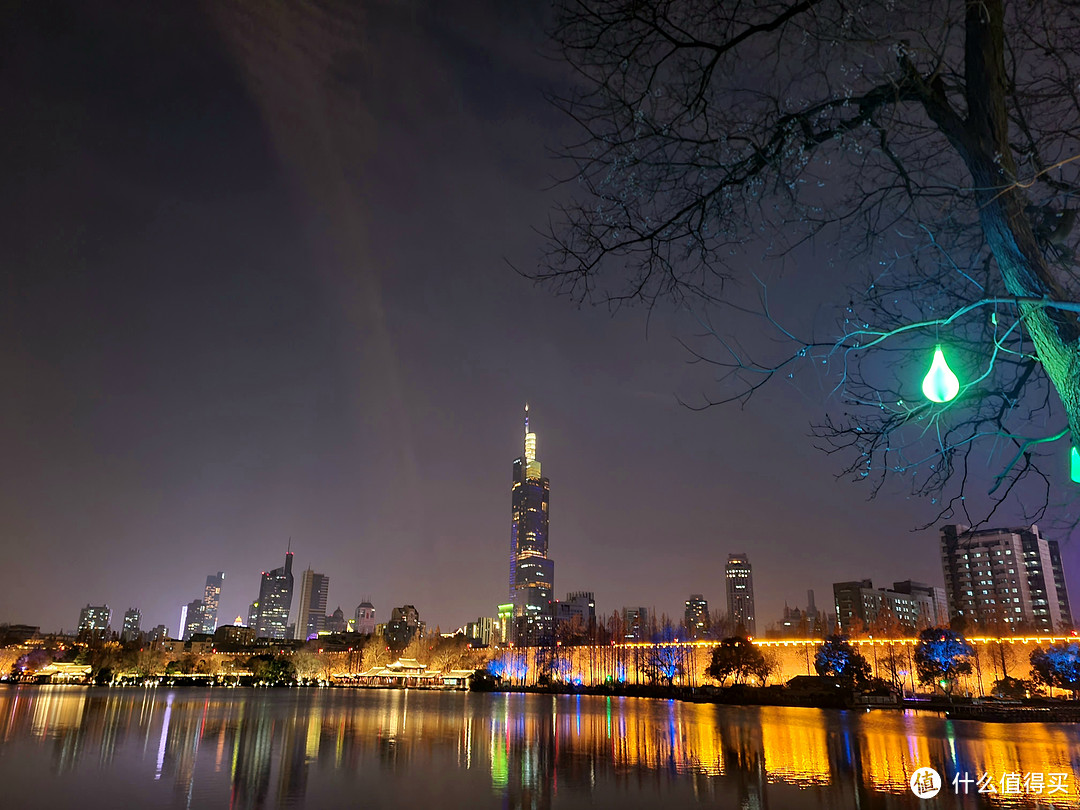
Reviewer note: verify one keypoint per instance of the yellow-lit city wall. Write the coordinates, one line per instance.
(591, 665)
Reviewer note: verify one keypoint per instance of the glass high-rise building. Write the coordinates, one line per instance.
(191, 619)
(275, 601)
(739, 577)
(532, 574)
(211, 597)
(311, 612)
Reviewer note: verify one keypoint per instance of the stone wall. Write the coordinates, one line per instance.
(888, 659)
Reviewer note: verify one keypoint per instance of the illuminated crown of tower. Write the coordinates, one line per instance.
(532, 466)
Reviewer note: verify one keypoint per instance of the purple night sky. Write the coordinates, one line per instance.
(256, 286)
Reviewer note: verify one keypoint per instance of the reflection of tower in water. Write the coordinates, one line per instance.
(522, 755)
(299, 746)
(252, 754)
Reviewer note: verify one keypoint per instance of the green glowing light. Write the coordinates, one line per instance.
(1074, 467)
(940, 384)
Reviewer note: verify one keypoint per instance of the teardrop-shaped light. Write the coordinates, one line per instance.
(940, 384)
(1074, 466)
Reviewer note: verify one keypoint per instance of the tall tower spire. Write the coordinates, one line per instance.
(532, 573)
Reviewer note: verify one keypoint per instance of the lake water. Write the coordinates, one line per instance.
(78, 747)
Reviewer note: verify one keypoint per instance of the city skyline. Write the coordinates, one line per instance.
(230, 333)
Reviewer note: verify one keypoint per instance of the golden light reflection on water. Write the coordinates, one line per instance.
(795, 745)
(531, 750)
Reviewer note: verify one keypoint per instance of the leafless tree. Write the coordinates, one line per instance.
(376, 652)
(927, 146)
(663, 663)
(893, 665)
(308, 663)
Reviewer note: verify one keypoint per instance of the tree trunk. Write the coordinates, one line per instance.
(983, 143)
(1002, 205)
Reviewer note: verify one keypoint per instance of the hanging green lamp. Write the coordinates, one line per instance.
(940, 384)
(1074, 466)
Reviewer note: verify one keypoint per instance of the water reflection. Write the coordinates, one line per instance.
(291, 748)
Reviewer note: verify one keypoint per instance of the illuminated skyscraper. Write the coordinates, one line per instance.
(532, 574)
(211, 597)
(740, 593)
(275, 601)
(311, 612)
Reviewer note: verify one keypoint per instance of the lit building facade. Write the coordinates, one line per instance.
(579, 610)
(1004, 580)
(739, 579)
(132, 625)
(365, 618)
(636, 624)
(94, 619)
(697, 615)
(532, 574)
(210, 601)
(482, 632)
(506, 623)
(311, 615)
(403, 627)
(860, 607)
(275, 601)
(191, 620)
(933, 606)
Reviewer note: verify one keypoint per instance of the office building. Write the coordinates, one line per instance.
(159, 633)
(482, 632)
(506, 624)
(805, 623)
(211, 598)
(365, 618)
(532, 574)
(636, 624)
(739, 578)
(131, 629)
(311, 615)
(191, 618)
(696, 616)
(231, 637)
(403, 627)
(577, 611)
(275, 601)
(1004, 580)
(94, 619)
(862, 609)
(933, 606)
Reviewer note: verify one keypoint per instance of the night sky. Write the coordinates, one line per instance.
(257, 284)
